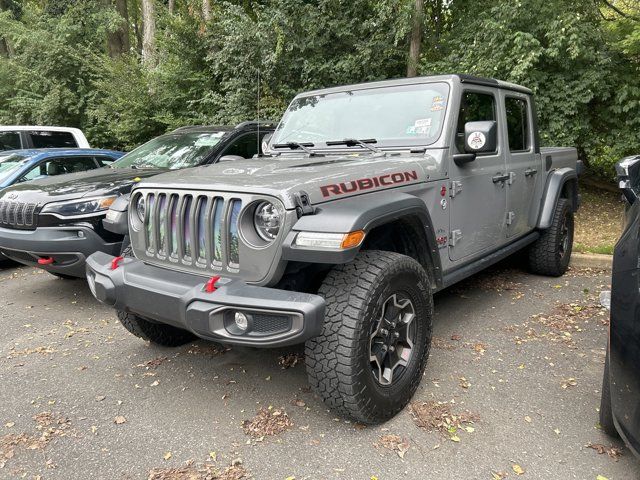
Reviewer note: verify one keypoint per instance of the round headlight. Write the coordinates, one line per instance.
(267, 221)
(140, 206)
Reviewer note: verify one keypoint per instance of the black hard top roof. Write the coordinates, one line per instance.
(462, 78)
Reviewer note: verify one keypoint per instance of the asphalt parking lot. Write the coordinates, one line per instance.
(511, 390)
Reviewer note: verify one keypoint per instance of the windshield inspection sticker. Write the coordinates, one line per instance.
(437, 104)
(476, 140)
(422, 126)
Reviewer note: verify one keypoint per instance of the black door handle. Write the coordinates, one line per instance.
(500, 178)
(530, 172)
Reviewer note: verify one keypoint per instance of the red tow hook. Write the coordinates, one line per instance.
(115, 263)
(45, 261)
(210, 286)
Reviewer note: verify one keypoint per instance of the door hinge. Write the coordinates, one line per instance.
(455, 237)
(510, 217)
(455, 188)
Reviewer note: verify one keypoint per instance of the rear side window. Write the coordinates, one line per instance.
(10, 140)
(60, 166)
(45, 139)
(475, 107)
(246, 146)
(517, 124)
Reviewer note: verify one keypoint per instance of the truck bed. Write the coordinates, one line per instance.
(559, 157)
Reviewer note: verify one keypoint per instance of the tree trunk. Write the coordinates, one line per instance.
(206, 10)
(148, 32)
(416, 39)
(172, 6)
(118, 41)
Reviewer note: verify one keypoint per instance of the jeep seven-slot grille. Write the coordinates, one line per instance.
(193, 229)
(17, 214)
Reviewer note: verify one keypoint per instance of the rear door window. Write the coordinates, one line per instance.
(517, 124)
(48, 139)
(10, 141)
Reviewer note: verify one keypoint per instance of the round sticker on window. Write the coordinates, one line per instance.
(476, 140)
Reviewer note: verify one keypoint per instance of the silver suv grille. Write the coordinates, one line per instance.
(17, 214)
(193, 229)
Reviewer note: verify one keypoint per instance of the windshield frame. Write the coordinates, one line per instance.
(385, 143)
(125, 160)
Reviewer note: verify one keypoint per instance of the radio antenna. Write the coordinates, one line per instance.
(259, 140)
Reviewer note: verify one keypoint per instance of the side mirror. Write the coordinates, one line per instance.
(264, 145)
(628, 171)
(480, 137)
(230, 158)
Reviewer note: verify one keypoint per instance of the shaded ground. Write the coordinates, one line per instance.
(511, 390)
(598, 221)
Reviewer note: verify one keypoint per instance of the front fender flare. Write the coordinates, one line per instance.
(364, 212)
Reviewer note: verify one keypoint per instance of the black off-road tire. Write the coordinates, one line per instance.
(551, 253)
(606, 412)
(158, 333)
(338, 364)
(63, 276)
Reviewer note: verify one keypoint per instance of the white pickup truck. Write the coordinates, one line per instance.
(15, 137)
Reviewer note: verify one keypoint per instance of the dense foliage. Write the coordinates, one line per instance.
(210, 65)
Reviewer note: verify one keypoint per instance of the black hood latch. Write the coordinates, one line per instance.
(303, 204)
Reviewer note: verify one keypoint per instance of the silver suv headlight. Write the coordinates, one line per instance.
(267, 221)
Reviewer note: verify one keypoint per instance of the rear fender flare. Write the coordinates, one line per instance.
(556, 181)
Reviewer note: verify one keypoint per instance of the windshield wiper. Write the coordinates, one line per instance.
(352, 142)
(297, 145)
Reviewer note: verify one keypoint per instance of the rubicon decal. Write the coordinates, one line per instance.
(368, 183)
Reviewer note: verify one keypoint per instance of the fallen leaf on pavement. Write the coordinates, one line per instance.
(395, 443)
(517, 469)
(613, 452)
(267, 422)
(119, 420)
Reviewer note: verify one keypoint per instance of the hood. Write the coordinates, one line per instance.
(102, 181)
(323, 178)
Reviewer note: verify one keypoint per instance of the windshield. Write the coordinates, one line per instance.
(171, 151)
(9, 165)
(405, 115)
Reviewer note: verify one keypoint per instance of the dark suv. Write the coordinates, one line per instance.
(56, 223)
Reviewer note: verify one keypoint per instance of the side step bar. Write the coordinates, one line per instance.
(474, 267)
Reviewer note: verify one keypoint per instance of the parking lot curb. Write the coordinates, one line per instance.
(591, 260)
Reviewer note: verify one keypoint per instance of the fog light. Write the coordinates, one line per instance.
(241, 320)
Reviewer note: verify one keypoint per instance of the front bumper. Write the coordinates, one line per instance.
(68, 247)
(276, 317)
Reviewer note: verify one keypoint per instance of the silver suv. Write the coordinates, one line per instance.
(369, 199)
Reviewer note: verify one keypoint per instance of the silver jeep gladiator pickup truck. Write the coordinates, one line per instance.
(369, 199)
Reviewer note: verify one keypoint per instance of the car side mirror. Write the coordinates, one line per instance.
(480, 137)
(628, 171)
(230, 158)
(264, 145)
